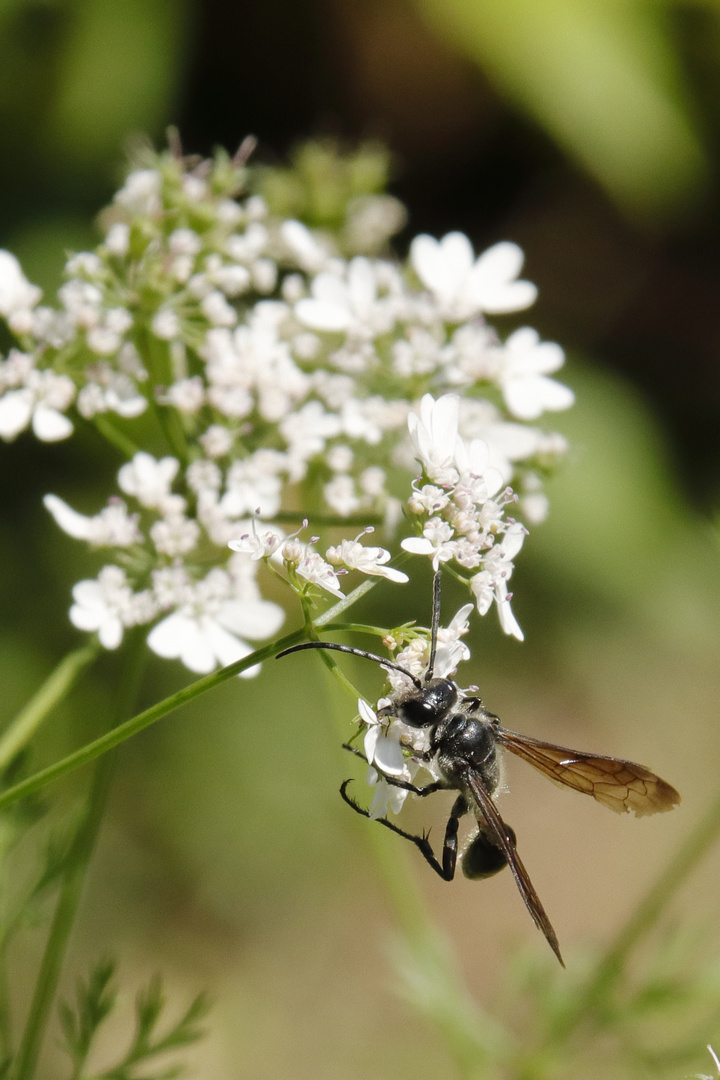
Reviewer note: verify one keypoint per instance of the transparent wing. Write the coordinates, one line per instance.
(620, 785)
(499, 833)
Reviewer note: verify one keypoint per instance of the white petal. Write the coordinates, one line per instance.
(256, 619)
(460, 618)
(448, 656)
(366, 713)
(527, 353)
(386, 798)
(513, 441)
(70, 521)
(389, 573)
(388, 755)
(379, 805)
(50, 425)
(514, 296)
(501, 262)
(90, 594)
(492, 283)
(321, 315)
(16, 292)
(15, 412)
(303, 244)
(178, 636)
(370, 740)
(226, 646)
(86, 618)
(440, 417)
(396, 798)
(442, 266)
(508, 621)
(529, 397)
(110, 634)
(417, 545)
(362, 284)
(512, 541)
(424, 257)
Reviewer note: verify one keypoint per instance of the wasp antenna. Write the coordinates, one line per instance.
(353, 652)
(434, 626)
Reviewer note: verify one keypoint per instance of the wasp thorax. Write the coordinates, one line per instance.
(421, 708)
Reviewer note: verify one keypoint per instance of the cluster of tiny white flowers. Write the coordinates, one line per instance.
(460, 509)
(284, 364)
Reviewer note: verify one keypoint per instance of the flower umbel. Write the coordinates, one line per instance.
(286, 367)
(460, 515)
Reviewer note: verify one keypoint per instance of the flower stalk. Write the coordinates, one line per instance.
(20, 730)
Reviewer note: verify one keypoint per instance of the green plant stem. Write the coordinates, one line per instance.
(336, 610)
(138, 723)
(77, 864)
(679, 867)
(610, 967)
(20, 730)
(156, 712)
(115, 436)
(62, 923)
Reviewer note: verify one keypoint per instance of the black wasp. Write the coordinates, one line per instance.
(465, 741)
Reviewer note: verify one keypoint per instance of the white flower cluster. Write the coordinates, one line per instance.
(279, 365)
(205, 616)
(460, 509)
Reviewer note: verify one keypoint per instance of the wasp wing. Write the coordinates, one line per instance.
(499, 833)
(621, 785)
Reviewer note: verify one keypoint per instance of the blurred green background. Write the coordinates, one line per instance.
(585, 130)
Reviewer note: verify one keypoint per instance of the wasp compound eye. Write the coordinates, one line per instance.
(428, 706)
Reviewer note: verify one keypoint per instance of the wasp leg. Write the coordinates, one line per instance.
(450, 843)
(422, 843)
(446, 870)
(354, 750)
(428, 789)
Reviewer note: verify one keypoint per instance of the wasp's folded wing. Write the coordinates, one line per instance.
(620, 785)
(499, 833)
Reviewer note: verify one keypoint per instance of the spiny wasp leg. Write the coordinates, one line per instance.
(422, 843)
(428, 789)
(446, 870)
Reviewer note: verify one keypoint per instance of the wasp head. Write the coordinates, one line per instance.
(424, 707)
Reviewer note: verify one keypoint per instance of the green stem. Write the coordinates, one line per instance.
(683, 861)
(143, 720)
(156, 358)
(63, 919)
(156, 712)
(342, 605)
(20, 730)
(71, 890)
(611, 965)
(115, 437)
(172, 429)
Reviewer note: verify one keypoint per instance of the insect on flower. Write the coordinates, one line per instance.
(462, 741)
